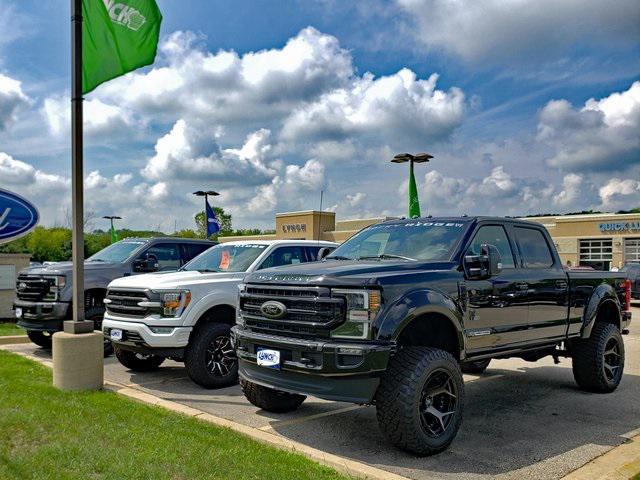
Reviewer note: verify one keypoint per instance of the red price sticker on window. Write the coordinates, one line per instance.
(225, 260)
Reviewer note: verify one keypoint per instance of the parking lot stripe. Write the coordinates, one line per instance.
(282, 423)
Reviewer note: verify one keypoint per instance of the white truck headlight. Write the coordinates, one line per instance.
(239, 320)
(173, 303)
(362, 307)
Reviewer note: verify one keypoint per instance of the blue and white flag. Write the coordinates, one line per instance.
(213, 224)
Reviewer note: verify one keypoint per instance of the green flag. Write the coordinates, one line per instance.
(414, 203)
(118, 37)
(114, 235)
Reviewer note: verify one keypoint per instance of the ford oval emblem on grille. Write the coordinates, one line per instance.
(273, 309)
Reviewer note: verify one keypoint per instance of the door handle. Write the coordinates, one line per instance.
(561, 285)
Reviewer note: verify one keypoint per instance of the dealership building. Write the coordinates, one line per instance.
(602, 241)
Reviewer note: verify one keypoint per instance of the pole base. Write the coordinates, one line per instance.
(78, 361)
(73, 327)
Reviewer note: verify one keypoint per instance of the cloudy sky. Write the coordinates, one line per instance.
(528, 106)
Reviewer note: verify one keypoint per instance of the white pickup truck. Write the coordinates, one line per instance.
(187, 315)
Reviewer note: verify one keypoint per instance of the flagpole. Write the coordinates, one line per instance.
(78, 325)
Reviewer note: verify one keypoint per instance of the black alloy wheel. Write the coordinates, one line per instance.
(220, 357)
(613, 360)
(438, 403)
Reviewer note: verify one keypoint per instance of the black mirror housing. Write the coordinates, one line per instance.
(323, 252)
(486, 265)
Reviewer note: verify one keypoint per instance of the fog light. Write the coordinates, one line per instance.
(162, 330)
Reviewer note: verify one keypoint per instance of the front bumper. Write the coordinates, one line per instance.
(42, 316)
(342, 371)
(139, 337)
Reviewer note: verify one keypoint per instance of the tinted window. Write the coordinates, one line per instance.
(493, 235)
(118, 252)
(167, 255)
(192, 250)
(533, 247)
(284, 256)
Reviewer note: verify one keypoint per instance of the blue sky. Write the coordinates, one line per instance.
(529, 106)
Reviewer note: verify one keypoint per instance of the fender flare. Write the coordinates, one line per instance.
(401, 313)
(601, 295)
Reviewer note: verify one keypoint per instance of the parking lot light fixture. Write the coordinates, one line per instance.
(414, 203)
(114, 235)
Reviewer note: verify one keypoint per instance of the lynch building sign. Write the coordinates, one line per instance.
(620, 227)
(294, 227)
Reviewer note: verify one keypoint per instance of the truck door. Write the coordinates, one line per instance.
(547, 289)
(497, 307)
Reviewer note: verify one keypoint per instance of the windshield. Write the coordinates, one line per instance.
(225, 258)
(420, 241)
(116, 253)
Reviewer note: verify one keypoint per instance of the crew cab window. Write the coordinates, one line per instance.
(493, 235)
(167, 254)
(534, 248)
(283, 256)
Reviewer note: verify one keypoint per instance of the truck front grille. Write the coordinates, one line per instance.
(310, 311)
(35, 289)
(125, 302)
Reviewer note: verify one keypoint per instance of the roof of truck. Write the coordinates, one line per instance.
(461, 219)
(281, 242)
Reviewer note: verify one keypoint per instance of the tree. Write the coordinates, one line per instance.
(223, 218)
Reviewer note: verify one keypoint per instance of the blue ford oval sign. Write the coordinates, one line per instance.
(17, 216)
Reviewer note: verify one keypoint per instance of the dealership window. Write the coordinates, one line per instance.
(597, 254)
(632, 250)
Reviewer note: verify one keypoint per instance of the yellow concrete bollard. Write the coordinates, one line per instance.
(78, 361)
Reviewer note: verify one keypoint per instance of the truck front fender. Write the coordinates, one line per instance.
(601, 295)
(206, 303)
(398, 315)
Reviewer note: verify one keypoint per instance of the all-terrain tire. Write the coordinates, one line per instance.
(40, 338)
(406, 397)
(136, 361)
(598, 361)
(476, 367)
(96, 314)
(209, 359)
(271, 400)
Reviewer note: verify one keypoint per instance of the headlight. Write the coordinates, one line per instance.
(239, 320)
(58, 282)
(362, 307)
(174, 303)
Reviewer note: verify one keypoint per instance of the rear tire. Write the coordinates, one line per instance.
(271, 400)
(210, 359)
(96, 314)
(598, 361)
(420, 400)
(476, 367)
(137, 361)
(42, 339)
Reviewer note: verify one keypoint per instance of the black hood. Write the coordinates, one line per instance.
(341, 272)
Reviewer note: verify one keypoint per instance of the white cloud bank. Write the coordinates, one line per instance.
(12, 99)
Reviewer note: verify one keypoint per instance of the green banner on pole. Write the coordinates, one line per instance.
(414, 203)
(118, 36)
(114, 235)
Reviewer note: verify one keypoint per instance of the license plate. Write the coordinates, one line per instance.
(18, 313)
(115, 334)
(268, 358)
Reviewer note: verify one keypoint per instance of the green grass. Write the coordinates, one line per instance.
(49, 434)
(7, 329)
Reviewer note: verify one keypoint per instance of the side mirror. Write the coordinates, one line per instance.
(148, 264)
(323, 252)
(486, 265)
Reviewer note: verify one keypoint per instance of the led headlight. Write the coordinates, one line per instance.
(362, 307)
(174, 303)
(58, 283)
(239, 319)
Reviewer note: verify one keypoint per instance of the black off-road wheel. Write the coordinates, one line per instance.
(96, 315)
(42, 339)
(138, 362)
(420, 400)
(598, 362)
(476, 367)
(271, 400)
(210, 359)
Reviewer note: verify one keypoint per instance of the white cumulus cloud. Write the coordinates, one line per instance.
(12, 99)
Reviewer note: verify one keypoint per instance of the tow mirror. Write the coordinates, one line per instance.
(486, 265)
(148, 264)
(323, 252)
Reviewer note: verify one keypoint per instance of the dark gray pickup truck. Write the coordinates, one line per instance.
(395, 315)
(44, 292)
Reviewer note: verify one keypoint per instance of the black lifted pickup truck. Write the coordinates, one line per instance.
(395, 315)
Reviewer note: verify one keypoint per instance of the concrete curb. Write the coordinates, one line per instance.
(14, 340)
(340, 464)
(619, 463)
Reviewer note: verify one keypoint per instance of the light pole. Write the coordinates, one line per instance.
(114, 235)
(414, 203)
(206, 194)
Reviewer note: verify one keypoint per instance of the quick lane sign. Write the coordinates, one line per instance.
(620, 227)
(17, 216)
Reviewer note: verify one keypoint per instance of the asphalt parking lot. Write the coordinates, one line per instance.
(522, 420)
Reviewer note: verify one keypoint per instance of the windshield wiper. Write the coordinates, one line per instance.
(338, 257)
(95, 260)
(387, 256)
(208, 270)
